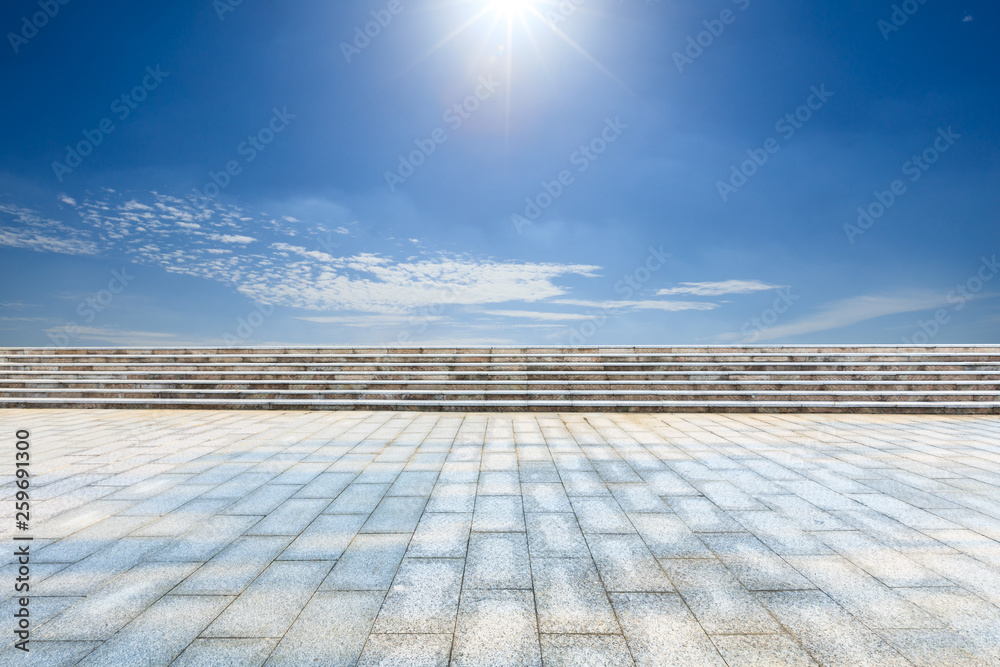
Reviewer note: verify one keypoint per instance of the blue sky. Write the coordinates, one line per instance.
(481, 172)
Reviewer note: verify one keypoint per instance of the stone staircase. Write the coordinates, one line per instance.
(930, 379)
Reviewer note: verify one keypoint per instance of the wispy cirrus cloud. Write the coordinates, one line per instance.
(854, 310)
(671, 306)
(536, 315)
(369, 320)
(113, 336)
(719, 288)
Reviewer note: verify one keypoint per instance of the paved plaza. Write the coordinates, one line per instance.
(402, 538)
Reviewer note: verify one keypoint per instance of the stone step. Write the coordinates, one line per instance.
(494, 375)
(780, 378)
(496, 350)
(495, 358)
(7, 366)
(914, 407)
(417, 385)
(502, 395)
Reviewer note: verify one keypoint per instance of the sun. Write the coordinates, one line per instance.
(507, 19)
(511, 6)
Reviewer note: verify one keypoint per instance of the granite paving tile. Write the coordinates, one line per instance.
(201, 537)
(267, 607)
(413, 483)
(661, 632)
(160, 633)
(967, 572)
(441, 535)
(369, 563)
(497, 560)
(669, 537)
(331, 630)
(720, 603)
(637, 498)
(498, 514)
(233, 568)
(601, 515)
(109, 608)
(87, 575)
(964, 613)
(882, 562)
(831, 635)
(496, 628)
(250, 652)
(206, 540)
(545, 498)
(41, 611)
(326, 485)
(555, 536)
(781, 535)
(932, 648)
(411, 650)
(453, 497)
(702, 515)
(423, 598)
(626, 564)
(83, 543)
(762, 651)
(496, 483)
(395, 514)
(290, 517)
(803, 513)
(263, 501)
(569, 597)
(728, 496)
(358, 498)
(590, 650)
(867, 599)
(757, 567)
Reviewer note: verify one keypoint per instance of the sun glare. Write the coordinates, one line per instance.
(511, 6)
(510, 21)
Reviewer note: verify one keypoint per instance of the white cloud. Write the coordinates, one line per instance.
(719, 288)
(192, 235)
(66, 199)
(232, 238)
(119, 337)
(25, 238)
(36, 232)
(672, 306)
(536, 315)
(854, 310)
(370, 320)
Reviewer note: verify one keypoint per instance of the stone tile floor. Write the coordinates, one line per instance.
(343, 538)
